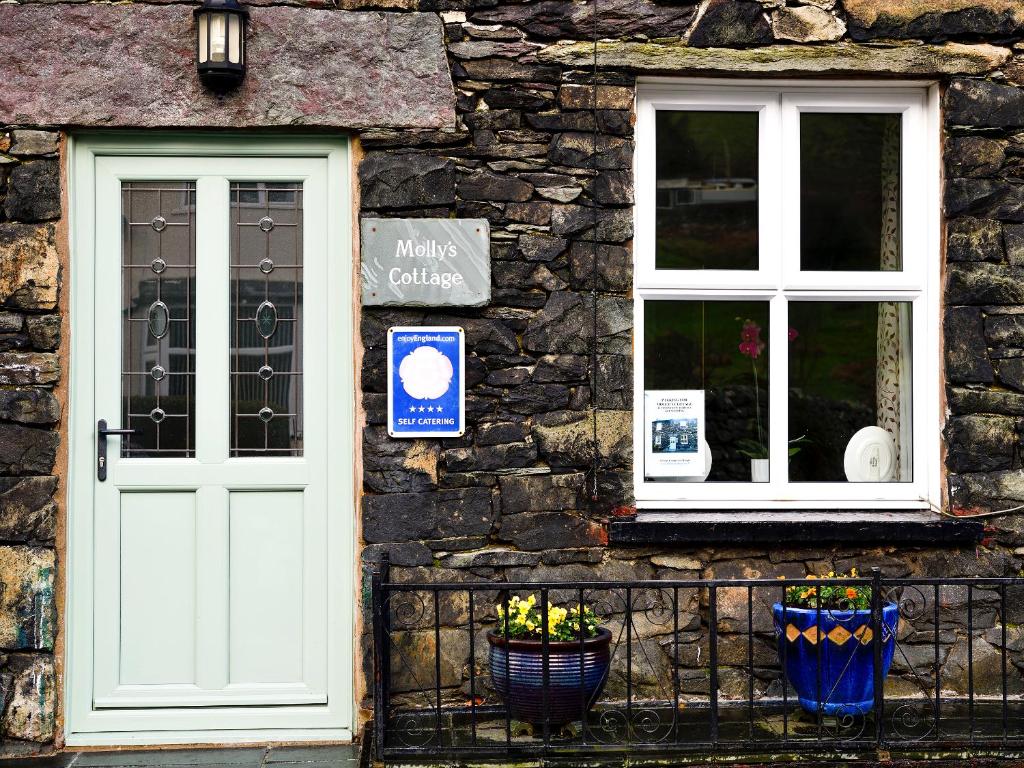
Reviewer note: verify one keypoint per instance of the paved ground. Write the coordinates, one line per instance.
(344, 756)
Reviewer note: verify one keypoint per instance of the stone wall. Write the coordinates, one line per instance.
(514, 498)
(30, 205)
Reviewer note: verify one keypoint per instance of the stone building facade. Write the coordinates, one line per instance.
(515, 126)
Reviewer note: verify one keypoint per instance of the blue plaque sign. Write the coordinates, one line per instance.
(426, 381)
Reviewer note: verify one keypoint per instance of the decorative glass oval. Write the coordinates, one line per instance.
(266, 319)
(157, 415)
(266, 223)
(160, 319)
(158, 372)
(266, 266)
(159, 223)
(266, 415)
(158, 265)
(265, 372)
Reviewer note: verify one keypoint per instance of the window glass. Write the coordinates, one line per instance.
(721, 348)
(850, 192)
(707, 188)
(158, 335)
(266, 326)
(849, 391)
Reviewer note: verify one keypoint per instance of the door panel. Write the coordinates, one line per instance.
(158, 588)
(211, 528)
(266, 602)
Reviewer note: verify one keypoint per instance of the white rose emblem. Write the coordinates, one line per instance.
(426, 374)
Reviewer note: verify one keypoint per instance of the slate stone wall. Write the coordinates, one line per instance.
(514, 498)
(29, 414)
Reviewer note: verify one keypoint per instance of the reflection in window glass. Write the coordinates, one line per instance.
(849, 369)
(266, 327)
(720, 347)
(707, 187)
(850, 192)
(158, 307)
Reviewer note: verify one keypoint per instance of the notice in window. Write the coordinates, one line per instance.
(674, 427)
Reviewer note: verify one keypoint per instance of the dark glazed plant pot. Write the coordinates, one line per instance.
(518, 676)
(846, 656)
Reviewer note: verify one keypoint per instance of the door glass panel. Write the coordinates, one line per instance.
(850, 388)
(720, 347)
(158, 311)
(266, 325)
(707, 188)
(850, 192)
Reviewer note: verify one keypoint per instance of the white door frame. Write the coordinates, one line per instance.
(334, 720)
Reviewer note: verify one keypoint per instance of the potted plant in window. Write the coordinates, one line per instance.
(757, 449)
(578, 657)
(826, 644)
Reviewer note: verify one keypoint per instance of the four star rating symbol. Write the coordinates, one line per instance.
(430, 408)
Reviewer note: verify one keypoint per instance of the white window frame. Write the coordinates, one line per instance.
(779, 281)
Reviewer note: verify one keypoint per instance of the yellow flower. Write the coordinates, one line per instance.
(853, 573)
(531, 600)
(531, 626)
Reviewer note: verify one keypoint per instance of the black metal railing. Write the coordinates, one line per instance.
(696, 666)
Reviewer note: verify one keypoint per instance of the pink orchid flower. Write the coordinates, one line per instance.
(750, 340)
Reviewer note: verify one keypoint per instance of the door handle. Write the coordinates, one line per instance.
(101, 446)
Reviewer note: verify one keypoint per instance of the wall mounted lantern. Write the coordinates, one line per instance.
(220, 43)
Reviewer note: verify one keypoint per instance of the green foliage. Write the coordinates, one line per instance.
(846, 597)
(755, 450)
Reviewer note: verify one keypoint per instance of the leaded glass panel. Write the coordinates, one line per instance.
(266, 325)
(158, 310)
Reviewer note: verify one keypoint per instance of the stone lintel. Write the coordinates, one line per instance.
(132, 65)
(836, 58)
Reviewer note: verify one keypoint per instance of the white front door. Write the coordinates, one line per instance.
(211, 322)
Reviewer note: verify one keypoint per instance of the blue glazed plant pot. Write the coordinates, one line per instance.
(843, 642)
(517, 674)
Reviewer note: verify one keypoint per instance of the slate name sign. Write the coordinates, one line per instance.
(426, 262)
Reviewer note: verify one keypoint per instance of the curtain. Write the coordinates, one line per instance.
(893, 382)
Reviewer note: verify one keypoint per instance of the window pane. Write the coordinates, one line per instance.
(850, 192)
(158, 375)
(850, 391)
(719, 347)
(707, 189)
(266, 329)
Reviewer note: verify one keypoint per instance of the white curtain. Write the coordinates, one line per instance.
(893, 378)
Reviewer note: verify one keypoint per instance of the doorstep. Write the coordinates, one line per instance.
(334, 756)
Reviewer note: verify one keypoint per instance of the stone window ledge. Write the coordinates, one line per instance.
(689, 527)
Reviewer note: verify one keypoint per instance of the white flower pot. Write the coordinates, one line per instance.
(759, 470)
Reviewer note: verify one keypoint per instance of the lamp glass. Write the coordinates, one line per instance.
(234, 38)
(204, 40)
(218, 36)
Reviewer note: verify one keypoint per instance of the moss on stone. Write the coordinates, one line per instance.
(899, 59)
(867, 12)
